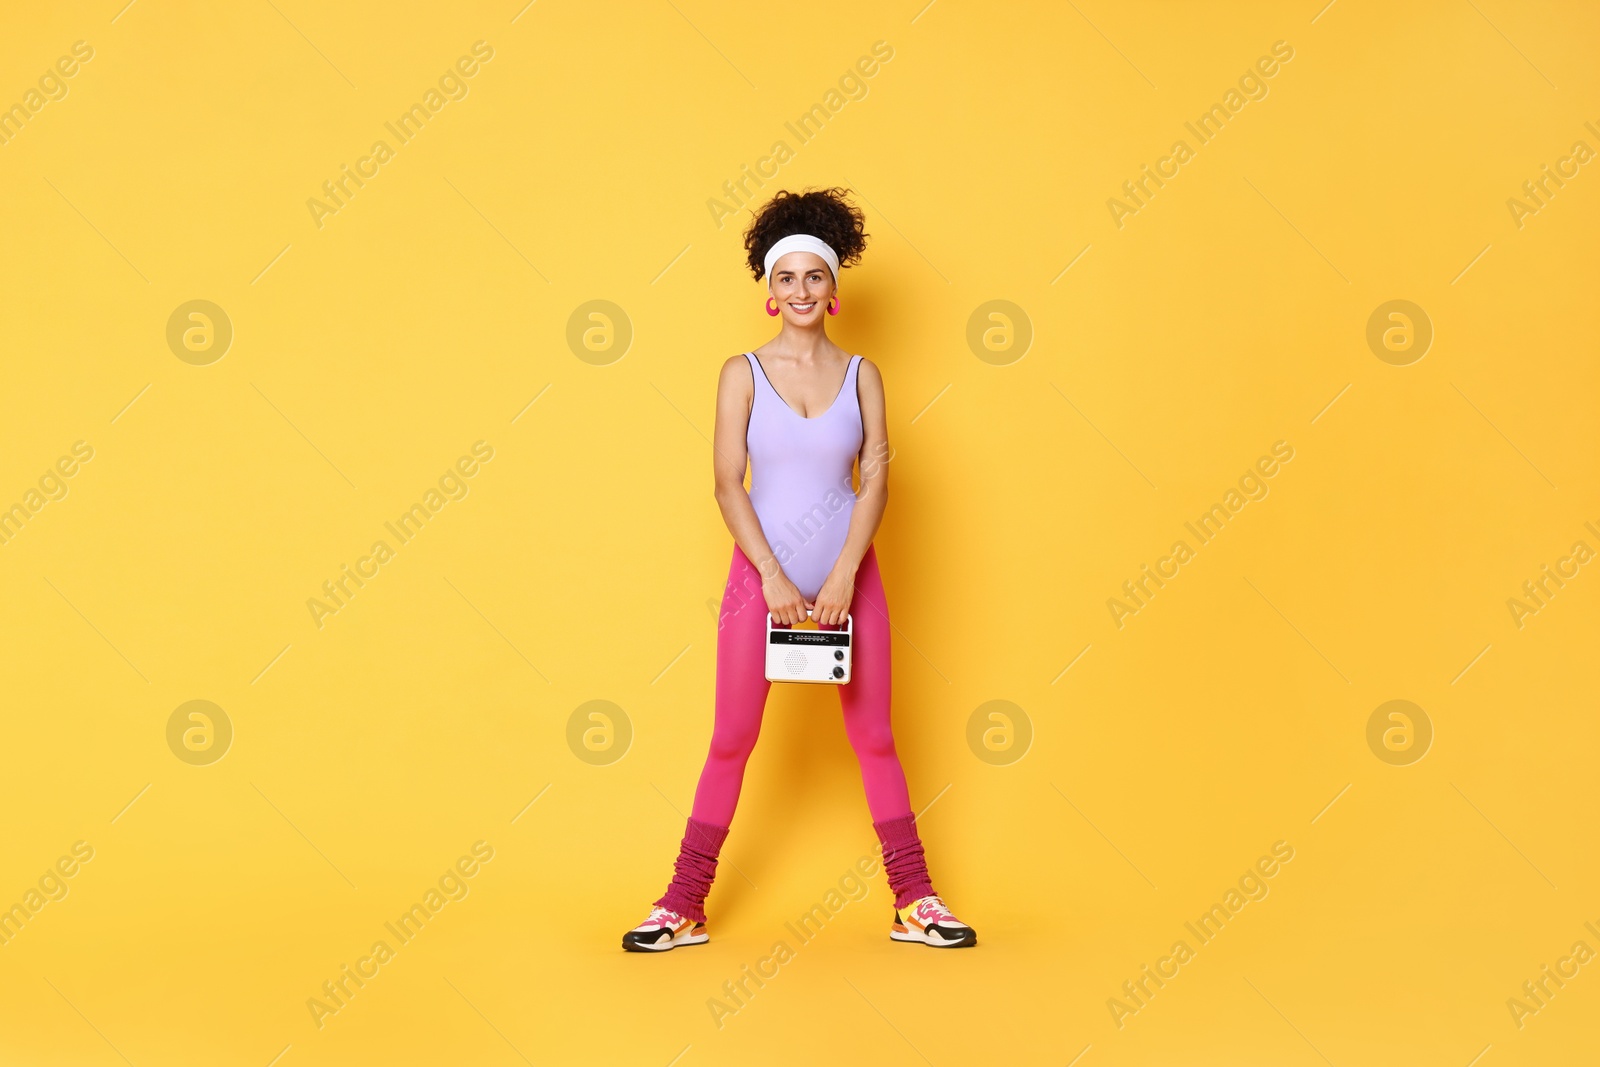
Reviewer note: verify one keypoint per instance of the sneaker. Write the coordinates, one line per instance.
(664, 930)
(929, 921)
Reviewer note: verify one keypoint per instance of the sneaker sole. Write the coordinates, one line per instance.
(917, 937)
(664, 946)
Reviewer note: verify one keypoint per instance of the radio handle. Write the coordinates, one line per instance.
(848, 618)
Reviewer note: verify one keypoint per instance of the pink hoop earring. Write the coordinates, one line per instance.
(770, 309)
(833, 305)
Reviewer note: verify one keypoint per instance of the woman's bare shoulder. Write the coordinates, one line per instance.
(731, 368)
(736, 377)
(868, 372)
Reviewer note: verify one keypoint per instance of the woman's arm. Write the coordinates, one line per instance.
(735, 392)
(833, 599)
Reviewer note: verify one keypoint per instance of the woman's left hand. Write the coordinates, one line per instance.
(833, 599)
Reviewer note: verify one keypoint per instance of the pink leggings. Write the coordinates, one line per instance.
(742, 688)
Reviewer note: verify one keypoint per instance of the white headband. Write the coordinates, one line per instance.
(802, 242)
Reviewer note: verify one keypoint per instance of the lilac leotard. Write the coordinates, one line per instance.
(800, 476)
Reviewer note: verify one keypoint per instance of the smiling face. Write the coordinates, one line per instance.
(801, 285)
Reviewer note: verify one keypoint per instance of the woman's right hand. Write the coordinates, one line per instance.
(784, 601)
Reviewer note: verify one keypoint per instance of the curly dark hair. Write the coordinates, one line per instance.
(823, 213)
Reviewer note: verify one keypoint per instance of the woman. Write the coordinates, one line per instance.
(803, 541)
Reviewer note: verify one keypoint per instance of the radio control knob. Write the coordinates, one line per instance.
(838, 672)
(838, 653)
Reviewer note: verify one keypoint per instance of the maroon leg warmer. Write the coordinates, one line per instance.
(903, 861)
(694, 870)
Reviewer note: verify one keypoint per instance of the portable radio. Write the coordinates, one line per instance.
(809, 655)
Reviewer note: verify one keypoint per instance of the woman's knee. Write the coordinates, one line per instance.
(873, 743)
(733, 745)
